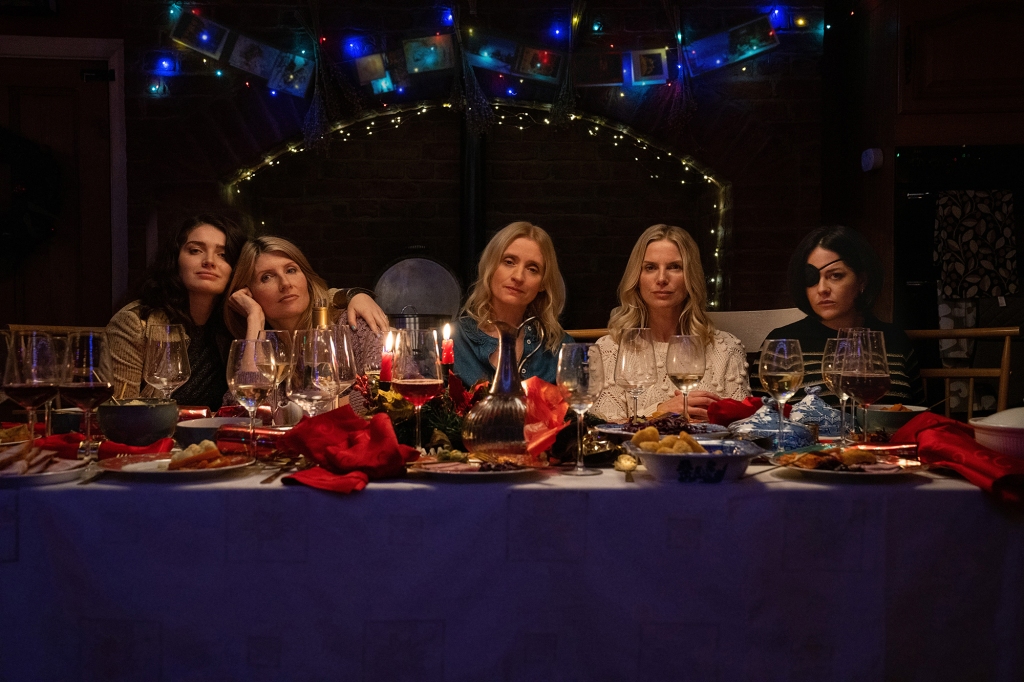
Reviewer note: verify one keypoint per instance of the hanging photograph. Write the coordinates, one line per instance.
(428, 54)
(650, 67)
(199, 34)
(254, 57)
(370, 68)
(542, 65)
(719, 49)
(598, 70)
(493, 54)
(291, 74)
(382, 85)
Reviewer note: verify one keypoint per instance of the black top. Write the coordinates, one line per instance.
(208, 382)
(812, 334)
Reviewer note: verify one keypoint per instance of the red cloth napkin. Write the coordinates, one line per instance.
(66, 445)
(727, 410)
(943, 442)
(545, 415)
(349, 450)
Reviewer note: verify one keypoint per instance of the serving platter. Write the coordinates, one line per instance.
(468, 471)
(903, 466)
(154, 467)
(701, 431)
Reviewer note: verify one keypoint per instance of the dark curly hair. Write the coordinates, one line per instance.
(163, 288)
(854, 250)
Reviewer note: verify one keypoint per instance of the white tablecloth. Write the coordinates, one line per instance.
(771, 578)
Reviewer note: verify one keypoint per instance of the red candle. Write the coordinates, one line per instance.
(447, 347)
(387, 357)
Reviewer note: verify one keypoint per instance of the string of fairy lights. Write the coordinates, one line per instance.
(525, 115)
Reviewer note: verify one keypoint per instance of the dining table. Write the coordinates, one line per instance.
(776, 576)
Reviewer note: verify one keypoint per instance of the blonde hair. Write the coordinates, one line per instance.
(548, 304)
(632, 311)
(245, 273)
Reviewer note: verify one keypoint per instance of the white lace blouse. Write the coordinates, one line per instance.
(726, 375)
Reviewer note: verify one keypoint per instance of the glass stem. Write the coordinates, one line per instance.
(31, 424)
(419, 440)
(636, 407)
(778, 439)
(842, 421)
(88, 431)
(686, 407)
(579, 441)
(252, 432)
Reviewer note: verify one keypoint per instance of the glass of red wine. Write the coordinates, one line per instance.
(864, 370)
(31, 372)
(86, 379)
(416, 372)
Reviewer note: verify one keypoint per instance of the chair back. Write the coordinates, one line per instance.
(751, 327)
(947, 374)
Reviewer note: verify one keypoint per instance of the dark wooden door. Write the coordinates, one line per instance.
(66, 278)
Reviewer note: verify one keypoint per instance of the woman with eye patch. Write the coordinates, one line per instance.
(835, 277)
(663, 290)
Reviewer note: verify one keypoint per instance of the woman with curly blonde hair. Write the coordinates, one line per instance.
(518, 278)
(663, 290)
(274, 287)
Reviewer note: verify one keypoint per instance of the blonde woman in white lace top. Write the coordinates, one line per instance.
(663, 289)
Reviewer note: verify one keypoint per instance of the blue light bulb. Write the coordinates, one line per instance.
(204, 36)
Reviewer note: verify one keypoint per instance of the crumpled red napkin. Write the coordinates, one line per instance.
(943, 442)
(66, 445)
(727, 410)
(545, 414)
(349, 450)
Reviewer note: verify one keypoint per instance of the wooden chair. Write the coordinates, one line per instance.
(751, 327)
(1002, 373)
(55, 330)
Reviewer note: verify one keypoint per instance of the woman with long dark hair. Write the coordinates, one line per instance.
(185, 286)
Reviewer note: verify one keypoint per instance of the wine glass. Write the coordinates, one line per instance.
(865, 370)
(635, 367)
(252, 372)
(166, 365)
(86, 381)
(781, 371)
(684, 364)
(580, 377)
(31, 373)
(60, 349)
(416, 371)
(281, 341)
(345, 353)
(313, 376)
(831, 372)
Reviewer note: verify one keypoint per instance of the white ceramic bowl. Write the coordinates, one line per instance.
(195, 431)
(1002, 431)
(725, 460)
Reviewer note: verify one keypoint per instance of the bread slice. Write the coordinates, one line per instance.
(193, 454)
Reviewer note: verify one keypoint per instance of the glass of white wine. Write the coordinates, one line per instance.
(781, 369)
(166, 365)
(684, 364)
(252, 370)
(580, 377)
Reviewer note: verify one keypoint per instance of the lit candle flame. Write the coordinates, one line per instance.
(389, 343)
(447, 331)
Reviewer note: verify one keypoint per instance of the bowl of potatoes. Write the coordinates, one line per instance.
(682, 458)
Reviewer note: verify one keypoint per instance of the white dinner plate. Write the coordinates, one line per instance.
(154, 467)
(907, 466)
(444, 473)
(44, 478)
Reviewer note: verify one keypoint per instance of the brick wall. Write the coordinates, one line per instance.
(368, 201)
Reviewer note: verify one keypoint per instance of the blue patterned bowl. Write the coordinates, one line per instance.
(725, 460)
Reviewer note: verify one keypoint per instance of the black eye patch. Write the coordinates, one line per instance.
(812, 274)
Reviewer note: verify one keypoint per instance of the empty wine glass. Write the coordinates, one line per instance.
(281, 341)
(635, 368)
(31, 372)
(580, 377)
(252, 371)
(685, 365)
(87, 376)
(313, 376)
(166, 365)
(865, 370)
(416, 372)
(345, 354)
(831, 372)
(781, 371)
